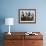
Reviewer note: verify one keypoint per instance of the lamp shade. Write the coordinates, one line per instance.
(9, 21)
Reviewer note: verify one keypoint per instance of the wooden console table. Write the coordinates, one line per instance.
(20, 39)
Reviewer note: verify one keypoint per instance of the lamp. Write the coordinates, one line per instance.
(9, 21)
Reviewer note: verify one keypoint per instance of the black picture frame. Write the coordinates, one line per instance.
(27, 15)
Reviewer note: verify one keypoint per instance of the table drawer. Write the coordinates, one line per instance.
(34, 37)
(9, 42)
(13, 43)
(33, 43)
(16, 37)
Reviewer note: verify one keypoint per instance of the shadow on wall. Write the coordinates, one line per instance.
(2, 21)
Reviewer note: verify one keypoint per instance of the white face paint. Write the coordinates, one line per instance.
(31, 15)
(22, 14)
(25, 14)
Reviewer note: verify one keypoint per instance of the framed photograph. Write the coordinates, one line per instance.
(27, 15)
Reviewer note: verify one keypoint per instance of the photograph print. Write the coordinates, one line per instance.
(27, 15)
